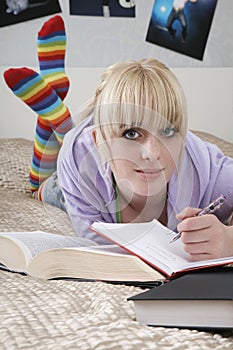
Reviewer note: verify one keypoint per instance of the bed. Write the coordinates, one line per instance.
(40, 314)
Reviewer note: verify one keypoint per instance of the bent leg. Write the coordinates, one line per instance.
(183, 22)
(41, 93)
(170, 21)
(53, 124)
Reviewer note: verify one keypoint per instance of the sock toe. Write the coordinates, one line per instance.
(53, 25)
(17, 76)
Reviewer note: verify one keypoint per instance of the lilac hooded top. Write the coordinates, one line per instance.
(87, 186)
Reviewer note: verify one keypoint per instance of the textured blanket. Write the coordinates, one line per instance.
(39, 314)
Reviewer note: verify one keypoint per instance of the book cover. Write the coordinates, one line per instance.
(201, 299)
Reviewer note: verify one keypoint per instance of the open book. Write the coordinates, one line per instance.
(150, 242)
(48, 256)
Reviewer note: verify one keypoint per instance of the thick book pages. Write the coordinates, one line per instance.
(17, 249)
(196, 300)
(150, 241)
(48, 256)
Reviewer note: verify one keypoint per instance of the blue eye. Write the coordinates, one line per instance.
(130, 134)
(168, 132)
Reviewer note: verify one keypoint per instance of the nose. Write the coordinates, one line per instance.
(151, 148)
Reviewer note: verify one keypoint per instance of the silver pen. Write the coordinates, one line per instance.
(210, 209)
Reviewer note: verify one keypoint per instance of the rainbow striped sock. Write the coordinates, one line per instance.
(35, 91)
(53, 121)
(44, 160)
(51, 47)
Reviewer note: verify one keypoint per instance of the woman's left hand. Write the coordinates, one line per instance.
(204, 237)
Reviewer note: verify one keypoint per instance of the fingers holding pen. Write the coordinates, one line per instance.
(187, 216)
(204, 236)
(199, 234)
(187, 212)
(191, 222)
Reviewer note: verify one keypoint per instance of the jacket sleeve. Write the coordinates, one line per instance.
(86, 190)
(215, 174)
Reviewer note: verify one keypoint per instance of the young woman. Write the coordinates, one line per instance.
(130, 158)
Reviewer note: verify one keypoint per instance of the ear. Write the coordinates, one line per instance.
(94, 137)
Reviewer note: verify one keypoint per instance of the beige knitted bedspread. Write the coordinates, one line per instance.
(39, 314)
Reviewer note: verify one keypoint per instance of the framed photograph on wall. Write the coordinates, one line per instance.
(182, 25)
(106, 8)
(16, 11)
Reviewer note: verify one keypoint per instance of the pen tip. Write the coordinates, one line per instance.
(175, 238)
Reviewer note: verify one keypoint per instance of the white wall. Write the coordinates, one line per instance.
(209, 93)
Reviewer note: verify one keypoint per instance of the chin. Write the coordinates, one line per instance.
(147, 192)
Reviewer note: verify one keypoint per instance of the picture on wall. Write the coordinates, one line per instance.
(181, 25)
(106, 8)
(16, 11)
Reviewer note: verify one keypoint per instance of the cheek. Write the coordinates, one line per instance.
(171, 166)
(123, 150)
(174, 151)
(172, 156)
(121, 168)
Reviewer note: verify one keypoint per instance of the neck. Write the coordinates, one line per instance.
(142, 209)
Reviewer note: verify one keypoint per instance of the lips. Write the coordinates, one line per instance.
(149, 173)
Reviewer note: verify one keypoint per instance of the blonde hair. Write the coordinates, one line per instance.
(140, 93)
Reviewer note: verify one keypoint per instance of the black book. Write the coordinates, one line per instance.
(196, 300)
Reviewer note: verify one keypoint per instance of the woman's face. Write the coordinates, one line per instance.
(142, 163)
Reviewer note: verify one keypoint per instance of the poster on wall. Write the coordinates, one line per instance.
(106, 8)
(181, 25)
(16, 11)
